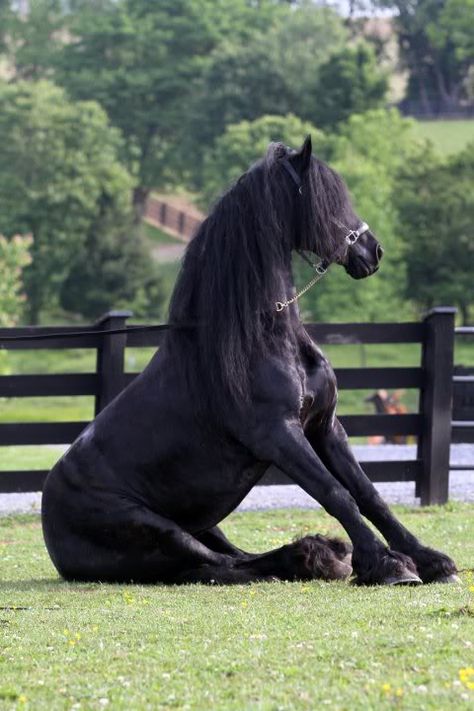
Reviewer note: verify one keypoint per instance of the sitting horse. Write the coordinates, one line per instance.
(237, 386)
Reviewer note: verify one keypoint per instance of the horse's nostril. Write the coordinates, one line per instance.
(379, 252)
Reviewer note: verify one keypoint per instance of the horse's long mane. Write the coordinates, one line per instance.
(237, 266)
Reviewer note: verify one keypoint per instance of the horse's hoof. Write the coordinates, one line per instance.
(453, 579)
(403, 577)
(406, 578)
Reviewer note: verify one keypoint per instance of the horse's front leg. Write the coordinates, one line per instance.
(331, 444)
(287, 447)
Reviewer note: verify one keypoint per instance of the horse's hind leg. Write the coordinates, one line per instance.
(128, 543)
(333, 448)
(310, 558)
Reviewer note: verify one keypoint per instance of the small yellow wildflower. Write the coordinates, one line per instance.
(466, 677)
(22, 699)
(386, 688)
(399, 692)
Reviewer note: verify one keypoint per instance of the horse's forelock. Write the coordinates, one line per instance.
(275, 152)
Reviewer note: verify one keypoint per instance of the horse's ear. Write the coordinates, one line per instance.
(304, 155)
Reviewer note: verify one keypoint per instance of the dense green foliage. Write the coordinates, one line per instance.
(436, 203)
(274, 72)
(13, 259)
(436, 45)
(62, 182)
(243, 143)
(263, 646)
(191, 91)
(349, 82)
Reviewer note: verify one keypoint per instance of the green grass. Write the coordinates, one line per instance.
(29, 457)
(157, 237)
(263, 646)
(448, 136)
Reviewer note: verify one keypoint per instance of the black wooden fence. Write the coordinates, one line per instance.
(433, 377)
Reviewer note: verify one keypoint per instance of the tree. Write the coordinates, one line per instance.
(274, 72)
(34, 38)
(435, 39)
(243, 143)
(5, 14)
(350, 82)
(140, 61)
(113, 270)
(13, 259)
(456, 28)
(436, 205)
(59, 171)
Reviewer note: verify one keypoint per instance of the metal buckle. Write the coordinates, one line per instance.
(320, 268)
(354, 235)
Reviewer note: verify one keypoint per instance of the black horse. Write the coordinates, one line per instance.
(238, 385)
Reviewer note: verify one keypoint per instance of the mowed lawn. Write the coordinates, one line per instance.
(262, 646)
(448, 136)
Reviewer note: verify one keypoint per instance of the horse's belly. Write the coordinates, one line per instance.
(199, 500)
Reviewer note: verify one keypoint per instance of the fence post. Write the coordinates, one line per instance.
(436, 405)
(110, 358)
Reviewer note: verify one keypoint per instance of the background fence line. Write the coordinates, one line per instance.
(179, 223)
(432, 424)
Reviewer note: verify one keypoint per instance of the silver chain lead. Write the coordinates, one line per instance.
(350, 238)
(320, 272)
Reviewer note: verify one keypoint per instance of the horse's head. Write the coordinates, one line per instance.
(326, 222)
(363, 254)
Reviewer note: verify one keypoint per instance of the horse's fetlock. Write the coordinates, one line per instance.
(433, 565)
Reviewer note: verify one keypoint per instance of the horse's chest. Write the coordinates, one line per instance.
(307, 402)
(318, 388)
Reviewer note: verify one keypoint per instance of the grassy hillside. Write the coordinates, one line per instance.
(448, 136)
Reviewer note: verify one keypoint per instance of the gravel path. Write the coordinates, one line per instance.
(461, 485)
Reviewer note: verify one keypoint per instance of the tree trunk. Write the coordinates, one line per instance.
(140, 196)
(464, 309)
(33, 307)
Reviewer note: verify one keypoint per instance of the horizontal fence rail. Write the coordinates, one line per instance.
(432, 378)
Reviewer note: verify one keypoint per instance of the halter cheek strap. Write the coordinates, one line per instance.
(293, 174)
